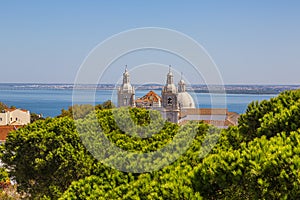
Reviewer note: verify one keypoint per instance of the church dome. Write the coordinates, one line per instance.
(185, 100)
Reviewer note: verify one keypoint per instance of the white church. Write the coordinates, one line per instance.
(175, 103)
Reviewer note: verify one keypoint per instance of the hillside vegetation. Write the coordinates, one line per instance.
(258, 159)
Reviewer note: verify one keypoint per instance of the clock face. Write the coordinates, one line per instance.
(170, 100)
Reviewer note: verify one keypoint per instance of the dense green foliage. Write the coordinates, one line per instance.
(262, 169)
(281, 113)
(46, 156)
(34, 117)
(3, 106)
(80, 111)
(77, 111)
(3, 175)
(171, 182)
(258, 159)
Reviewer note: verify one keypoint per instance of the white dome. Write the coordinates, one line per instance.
(185, 100)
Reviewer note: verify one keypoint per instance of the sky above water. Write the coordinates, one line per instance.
(251, 42)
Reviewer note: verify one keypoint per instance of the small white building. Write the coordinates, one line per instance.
(14, 116)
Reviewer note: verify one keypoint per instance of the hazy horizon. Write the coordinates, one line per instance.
(160, 84)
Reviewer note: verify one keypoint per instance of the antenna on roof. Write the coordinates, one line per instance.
(169, 68)
(125, 68)
(181, 76)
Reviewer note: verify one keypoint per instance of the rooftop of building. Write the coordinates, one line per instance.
(151, 96)
(13, 109)
(5, 130)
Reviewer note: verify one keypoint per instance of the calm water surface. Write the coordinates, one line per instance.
(49, 101)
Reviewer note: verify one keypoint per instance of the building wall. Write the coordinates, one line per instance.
(20, 117)
(15, 117)
(3, 119)
(125, 98)
(170, 105)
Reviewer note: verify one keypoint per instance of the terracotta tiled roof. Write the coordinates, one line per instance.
(150, 97)
(4, 131)
(203, 111)
(9, 109)
(233, 117)
(13, 109)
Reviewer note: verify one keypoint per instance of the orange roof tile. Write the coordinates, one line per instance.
(203, 111)
(149, 97)
(5, 130)
(13, 109)
(9, 109)
(233, 117)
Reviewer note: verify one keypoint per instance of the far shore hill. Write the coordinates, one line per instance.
(197, 88)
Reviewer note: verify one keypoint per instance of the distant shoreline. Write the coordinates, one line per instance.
(196, 88)
(240, 92)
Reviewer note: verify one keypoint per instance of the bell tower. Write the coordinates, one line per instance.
(181, 85)
(126, 92)
(170, 100)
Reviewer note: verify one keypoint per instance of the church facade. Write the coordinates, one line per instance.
(175, 103)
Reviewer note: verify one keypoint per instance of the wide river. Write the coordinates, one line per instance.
(50, 101)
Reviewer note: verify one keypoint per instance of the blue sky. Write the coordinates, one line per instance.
(252, 42)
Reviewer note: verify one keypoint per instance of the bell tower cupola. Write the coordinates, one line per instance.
(126, 92)
(169, 99)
